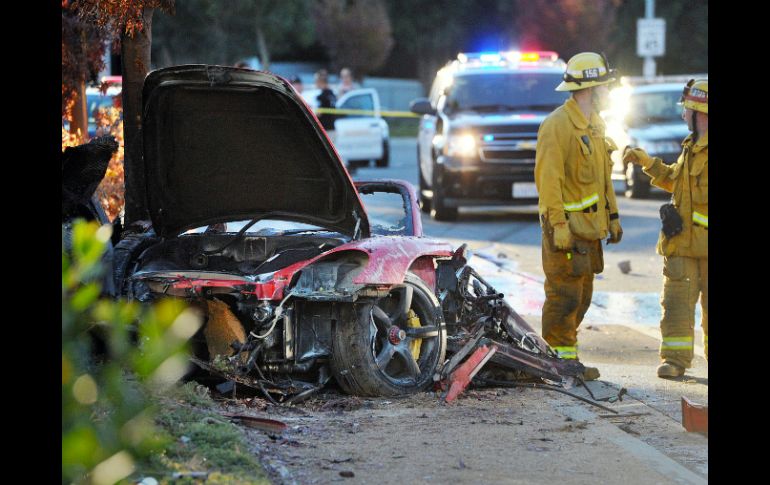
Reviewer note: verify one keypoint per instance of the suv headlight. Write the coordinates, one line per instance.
(461, 145)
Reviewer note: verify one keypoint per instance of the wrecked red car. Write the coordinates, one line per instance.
(254, 219)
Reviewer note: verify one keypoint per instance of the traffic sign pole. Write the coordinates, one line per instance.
(650, 38)
(649, 61)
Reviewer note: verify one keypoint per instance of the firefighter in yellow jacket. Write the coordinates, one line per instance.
(577, 204)
(683, 243)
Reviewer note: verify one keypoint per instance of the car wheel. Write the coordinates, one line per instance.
(425, 204)
(354, 165)
(393, 345)
(637, 183)
(439, 211)
(385, 160)
(125, 253)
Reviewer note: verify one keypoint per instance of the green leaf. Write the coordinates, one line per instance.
(85, 296)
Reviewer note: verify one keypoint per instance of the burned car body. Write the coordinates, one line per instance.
(255, 221)
(326, 297)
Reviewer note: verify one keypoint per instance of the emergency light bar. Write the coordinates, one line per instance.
(507, 56)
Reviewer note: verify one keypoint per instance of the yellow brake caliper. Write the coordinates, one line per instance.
(413, 321)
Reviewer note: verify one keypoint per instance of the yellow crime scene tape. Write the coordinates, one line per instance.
(384, 114)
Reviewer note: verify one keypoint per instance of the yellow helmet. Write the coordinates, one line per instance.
(586, 70)
(695, 95)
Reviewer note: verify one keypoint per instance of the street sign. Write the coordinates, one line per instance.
(650, 37)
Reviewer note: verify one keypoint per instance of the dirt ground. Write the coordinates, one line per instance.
(498, 435)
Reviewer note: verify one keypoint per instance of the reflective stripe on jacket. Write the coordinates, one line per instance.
(691, 198)
(573, 172)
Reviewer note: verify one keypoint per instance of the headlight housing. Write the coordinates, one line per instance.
(462, 145)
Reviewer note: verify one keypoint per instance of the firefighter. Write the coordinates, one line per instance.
(577, 204)
(683, 242)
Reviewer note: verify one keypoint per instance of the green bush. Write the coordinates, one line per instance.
(107, 419)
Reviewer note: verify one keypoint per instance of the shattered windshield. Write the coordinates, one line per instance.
(263, 226)
(505, 92)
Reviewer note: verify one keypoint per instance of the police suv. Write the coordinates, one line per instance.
(477, 135)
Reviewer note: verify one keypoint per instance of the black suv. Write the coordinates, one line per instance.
(477, 136)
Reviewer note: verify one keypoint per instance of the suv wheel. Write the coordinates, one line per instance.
(439, 211)
(385, 160)
(637, 183)
(393, 345)
(425, 204)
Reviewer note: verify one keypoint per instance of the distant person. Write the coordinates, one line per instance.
(297, 83)
(577, 204)
(346, 82)
(242, 65)
(326, 99)
(683, 240)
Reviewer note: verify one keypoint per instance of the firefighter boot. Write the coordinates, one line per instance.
(667, 369)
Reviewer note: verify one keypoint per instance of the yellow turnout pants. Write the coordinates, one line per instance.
(684, 280)
(569, 283)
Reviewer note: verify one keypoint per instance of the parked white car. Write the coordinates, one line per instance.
(359, 137)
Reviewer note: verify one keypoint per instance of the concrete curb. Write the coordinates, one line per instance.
(644, 453)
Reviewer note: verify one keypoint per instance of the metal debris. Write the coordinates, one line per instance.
(695, 417)
(263, 424)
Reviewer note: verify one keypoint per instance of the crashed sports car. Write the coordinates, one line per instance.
(254, 220)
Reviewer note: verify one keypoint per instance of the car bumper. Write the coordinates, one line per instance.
(470, 183)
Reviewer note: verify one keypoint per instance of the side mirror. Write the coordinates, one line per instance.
(422, 106)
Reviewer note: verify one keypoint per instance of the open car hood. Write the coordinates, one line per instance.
(223, 144)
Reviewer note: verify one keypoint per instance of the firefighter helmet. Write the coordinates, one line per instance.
(695, 95)
(586, 70)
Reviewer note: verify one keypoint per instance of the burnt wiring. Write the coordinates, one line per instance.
(278, 313)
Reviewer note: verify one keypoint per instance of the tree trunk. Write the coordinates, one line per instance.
(80, 113)
(79, 123)
(135, 61)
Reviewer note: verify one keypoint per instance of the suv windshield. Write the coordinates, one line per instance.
(661, 107)
(505, 92)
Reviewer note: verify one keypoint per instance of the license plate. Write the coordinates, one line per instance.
(524, 190)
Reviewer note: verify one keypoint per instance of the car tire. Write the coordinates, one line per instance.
(125, 253)
(439, 211)
(366, 362)
(385, 160)
(637, 183)
(356, 164)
